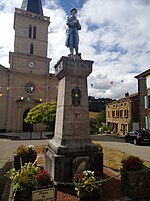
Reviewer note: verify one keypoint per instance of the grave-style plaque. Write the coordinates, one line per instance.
(47, 194)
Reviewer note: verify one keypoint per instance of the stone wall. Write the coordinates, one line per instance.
(136, 184)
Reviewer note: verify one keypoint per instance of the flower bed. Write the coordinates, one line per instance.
(24, 154)
(87, 183)
(28, 179)
(135, 178)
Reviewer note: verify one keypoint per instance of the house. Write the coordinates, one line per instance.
(123, 115)
(144, 99)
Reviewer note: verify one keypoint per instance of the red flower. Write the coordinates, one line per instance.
(43, 178)
(132, 163)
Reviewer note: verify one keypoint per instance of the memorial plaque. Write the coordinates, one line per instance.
(47, 194)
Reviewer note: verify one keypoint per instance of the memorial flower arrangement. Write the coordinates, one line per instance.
(43, 178)
(24, 150)
(132, 163)
(87, 183)
(28, 177)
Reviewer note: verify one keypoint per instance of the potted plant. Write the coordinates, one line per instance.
(24, 154)
(27, 179)
(135, 178)
(87, 183)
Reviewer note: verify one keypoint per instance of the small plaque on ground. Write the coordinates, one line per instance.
(47, 194)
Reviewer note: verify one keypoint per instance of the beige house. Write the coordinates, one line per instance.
(144, 98)
(123, 115)
(27, 82)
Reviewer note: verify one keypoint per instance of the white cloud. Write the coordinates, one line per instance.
(115, 35)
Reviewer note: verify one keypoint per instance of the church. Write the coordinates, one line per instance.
(27, 82)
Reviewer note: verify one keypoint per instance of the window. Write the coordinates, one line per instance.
(113, 113)
(121, 113)
(31, 48)
(29, 88)
(108, 114)
(126, 113)
(30, 31)
(147, 101)
(34, 32)
(148, 81)
(117, 113)
(147, 122)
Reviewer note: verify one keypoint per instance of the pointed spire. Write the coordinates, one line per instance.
(34, 6)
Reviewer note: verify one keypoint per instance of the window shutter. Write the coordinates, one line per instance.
(146, 101)
(146, 123)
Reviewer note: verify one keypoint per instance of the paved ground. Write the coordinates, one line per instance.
(118, 143)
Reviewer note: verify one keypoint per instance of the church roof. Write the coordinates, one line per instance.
(4, 68)
(34, 6)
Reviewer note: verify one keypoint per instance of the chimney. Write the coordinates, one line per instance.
(126, 94)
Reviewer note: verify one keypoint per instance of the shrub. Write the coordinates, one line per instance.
(99, 146)
(28, 177)
(132, 163)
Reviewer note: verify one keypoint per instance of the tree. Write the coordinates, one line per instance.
(101, 118)
(93, 126)
(43, 113)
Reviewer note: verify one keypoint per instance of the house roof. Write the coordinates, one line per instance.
(134, 95)
(143, 74)
(34, 6)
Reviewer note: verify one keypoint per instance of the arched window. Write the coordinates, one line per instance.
(30, 31)
(34, 32)
(31, 48)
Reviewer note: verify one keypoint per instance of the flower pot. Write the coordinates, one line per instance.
(136, 184)
(21, 160)
(81, 193)
(31, 194)
(23, 195)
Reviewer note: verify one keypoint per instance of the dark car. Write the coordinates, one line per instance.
(138, 137)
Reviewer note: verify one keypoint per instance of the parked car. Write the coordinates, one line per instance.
(137, 137)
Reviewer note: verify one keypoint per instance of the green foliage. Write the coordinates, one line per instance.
(43, 113)
(24, 178)
(93, 126)
(101, 118)
(98, 104)
(24, 150)
(99, 146)
(103, 129)
(96, 123)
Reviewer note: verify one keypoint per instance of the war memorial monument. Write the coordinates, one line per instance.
(71, 150)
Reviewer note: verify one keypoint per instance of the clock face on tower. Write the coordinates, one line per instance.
(31, 64)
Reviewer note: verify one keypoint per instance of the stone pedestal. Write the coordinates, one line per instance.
(71, 149)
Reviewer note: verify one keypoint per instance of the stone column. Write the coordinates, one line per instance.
(71, 140)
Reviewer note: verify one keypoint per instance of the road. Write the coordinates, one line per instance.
(8, 148)
(142, 151)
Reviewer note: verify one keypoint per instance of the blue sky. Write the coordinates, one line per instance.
(115, 35)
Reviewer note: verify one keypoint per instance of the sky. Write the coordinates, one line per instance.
(115, 35)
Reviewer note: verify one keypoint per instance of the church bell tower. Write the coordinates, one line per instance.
(30, 81)
(31, 39)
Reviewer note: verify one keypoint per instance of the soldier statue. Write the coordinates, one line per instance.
(72, 37)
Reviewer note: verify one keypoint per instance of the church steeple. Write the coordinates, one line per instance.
(34, 6)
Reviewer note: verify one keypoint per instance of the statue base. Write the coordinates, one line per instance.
(71, 150)
(63, 167)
